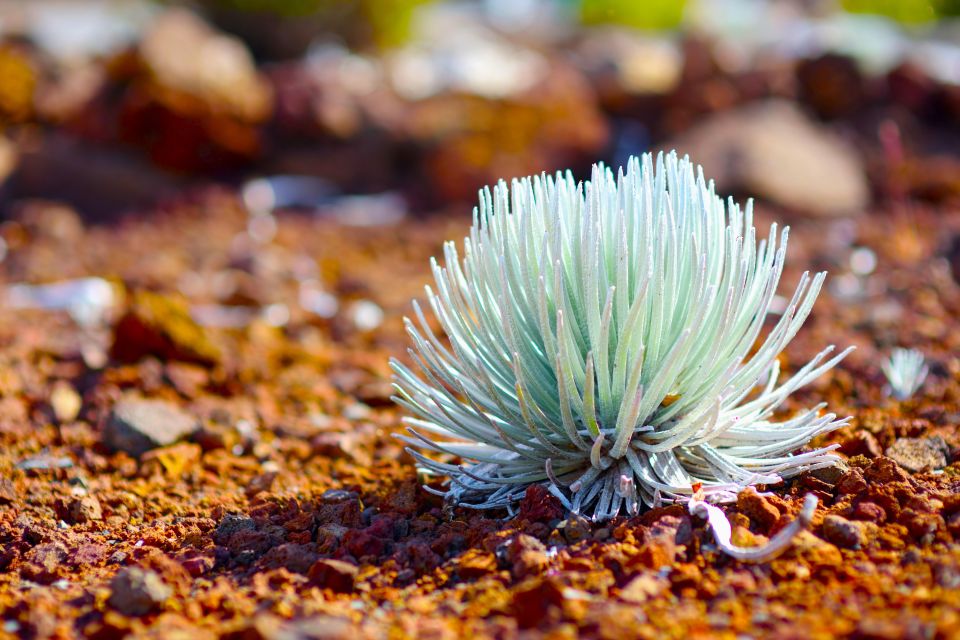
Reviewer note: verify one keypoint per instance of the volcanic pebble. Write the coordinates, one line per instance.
(137, 592)
(136, 426)
(842, 532)
(919, 454)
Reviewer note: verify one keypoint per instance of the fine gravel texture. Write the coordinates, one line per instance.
(291, 511)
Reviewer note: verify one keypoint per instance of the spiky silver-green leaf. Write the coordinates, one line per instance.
(602, 340)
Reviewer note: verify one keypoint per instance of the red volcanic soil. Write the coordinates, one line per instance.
(237, 478)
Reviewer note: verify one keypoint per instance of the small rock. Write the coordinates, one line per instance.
(336, 575)
(44, 462)
(919, 454)
(527, 556)
(342, 512)
(188, 379)
(814, 550)
(211, 437)
(231, 524)
(85, 509)
(644, 587)
(574, 529)
(773, 150)
(43, 561)
(947, 577)
(65, 402)
(476, 563)
(842, 532)
(260, 484)
(951, 504)
(87, 300)
(663, 539)
(137, 592)
(538, 505)
(832, 474)
(869, 512)
(356, 411)
(135, 425)
(862, 444)
(328, 538)
(197, 565)
(920, 525)
(347, 444)
(50, 220)
(270, 627)
(161, 326)
(673, 528)
(89, 554)
(362, 544)
(296, 558)
(339, 495)
(8, 492)
(884, 471)
(757, 508)
(852, 482)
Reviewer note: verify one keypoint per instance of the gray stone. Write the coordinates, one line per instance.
(136, 425)
(919, 454)
(774, 151)
(832, 474)
(232, 523)
(843, 532)
(137, 592)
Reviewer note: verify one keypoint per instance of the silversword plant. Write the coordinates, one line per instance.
(905, 370)
(602, 340)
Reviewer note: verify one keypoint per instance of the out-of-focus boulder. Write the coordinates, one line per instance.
(194, 98)
(772, 150)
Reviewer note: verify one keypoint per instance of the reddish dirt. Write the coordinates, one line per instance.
(292, 512)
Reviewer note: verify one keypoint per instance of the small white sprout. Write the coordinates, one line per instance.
(905, 371)
(602, 340)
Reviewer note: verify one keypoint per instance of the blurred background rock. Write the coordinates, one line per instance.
(819, 108)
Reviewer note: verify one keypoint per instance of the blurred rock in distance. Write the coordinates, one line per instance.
(455, 109)
(468, 142)
(332, 114)
(774, 151)
(194, 99)
(635, 62)
(189, 96)
(477, 107)
(285, 29)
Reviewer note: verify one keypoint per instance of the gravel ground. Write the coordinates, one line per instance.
(207, 458)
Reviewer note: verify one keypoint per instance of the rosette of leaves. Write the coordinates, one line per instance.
(906, 370)
(603, 339)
